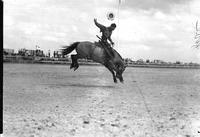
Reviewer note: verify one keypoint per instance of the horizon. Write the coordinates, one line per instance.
(134, 60)
(151, 30)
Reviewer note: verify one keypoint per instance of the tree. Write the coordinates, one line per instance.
(197, 36)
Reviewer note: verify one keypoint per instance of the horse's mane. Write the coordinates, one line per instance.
(118, 54)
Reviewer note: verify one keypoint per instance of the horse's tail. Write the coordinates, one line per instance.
(69, 49)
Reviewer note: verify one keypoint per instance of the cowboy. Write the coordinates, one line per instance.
(106, 34)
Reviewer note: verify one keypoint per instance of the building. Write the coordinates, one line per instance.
(140, 61)
(158, 61)
(31, 52)
(26, 52)
(22, 52)
(39, 53)
(128, 61)
(8, 51)
(58, 54)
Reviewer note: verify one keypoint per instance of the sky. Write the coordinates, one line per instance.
(149, 29)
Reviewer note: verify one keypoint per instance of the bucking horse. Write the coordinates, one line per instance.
(98, 54)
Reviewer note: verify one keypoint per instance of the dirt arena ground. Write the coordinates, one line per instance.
(54, 101)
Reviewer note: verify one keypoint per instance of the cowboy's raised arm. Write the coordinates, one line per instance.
(99, 25)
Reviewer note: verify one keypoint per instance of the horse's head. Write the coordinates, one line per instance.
(121, 66)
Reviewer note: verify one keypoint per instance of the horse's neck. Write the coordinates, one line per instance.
(118, 59)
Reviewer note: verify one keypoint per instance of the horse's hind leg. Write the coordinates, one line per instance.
(74, 64)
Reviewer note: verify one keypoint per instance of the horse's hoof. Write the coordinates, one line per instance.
(122, 82)
(115, 81)
(75, 68)
(71, 66)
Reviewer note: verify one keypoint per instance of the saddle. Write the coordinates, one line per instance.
(106, 46)
(98, 44)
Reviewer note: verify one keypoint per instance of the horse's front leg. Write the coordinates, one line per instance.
(119, 73)
(119, 76)
(114, 77)
(112, 71)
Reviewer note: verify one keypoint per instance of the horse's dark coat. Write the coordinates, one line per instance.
(97, 53)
